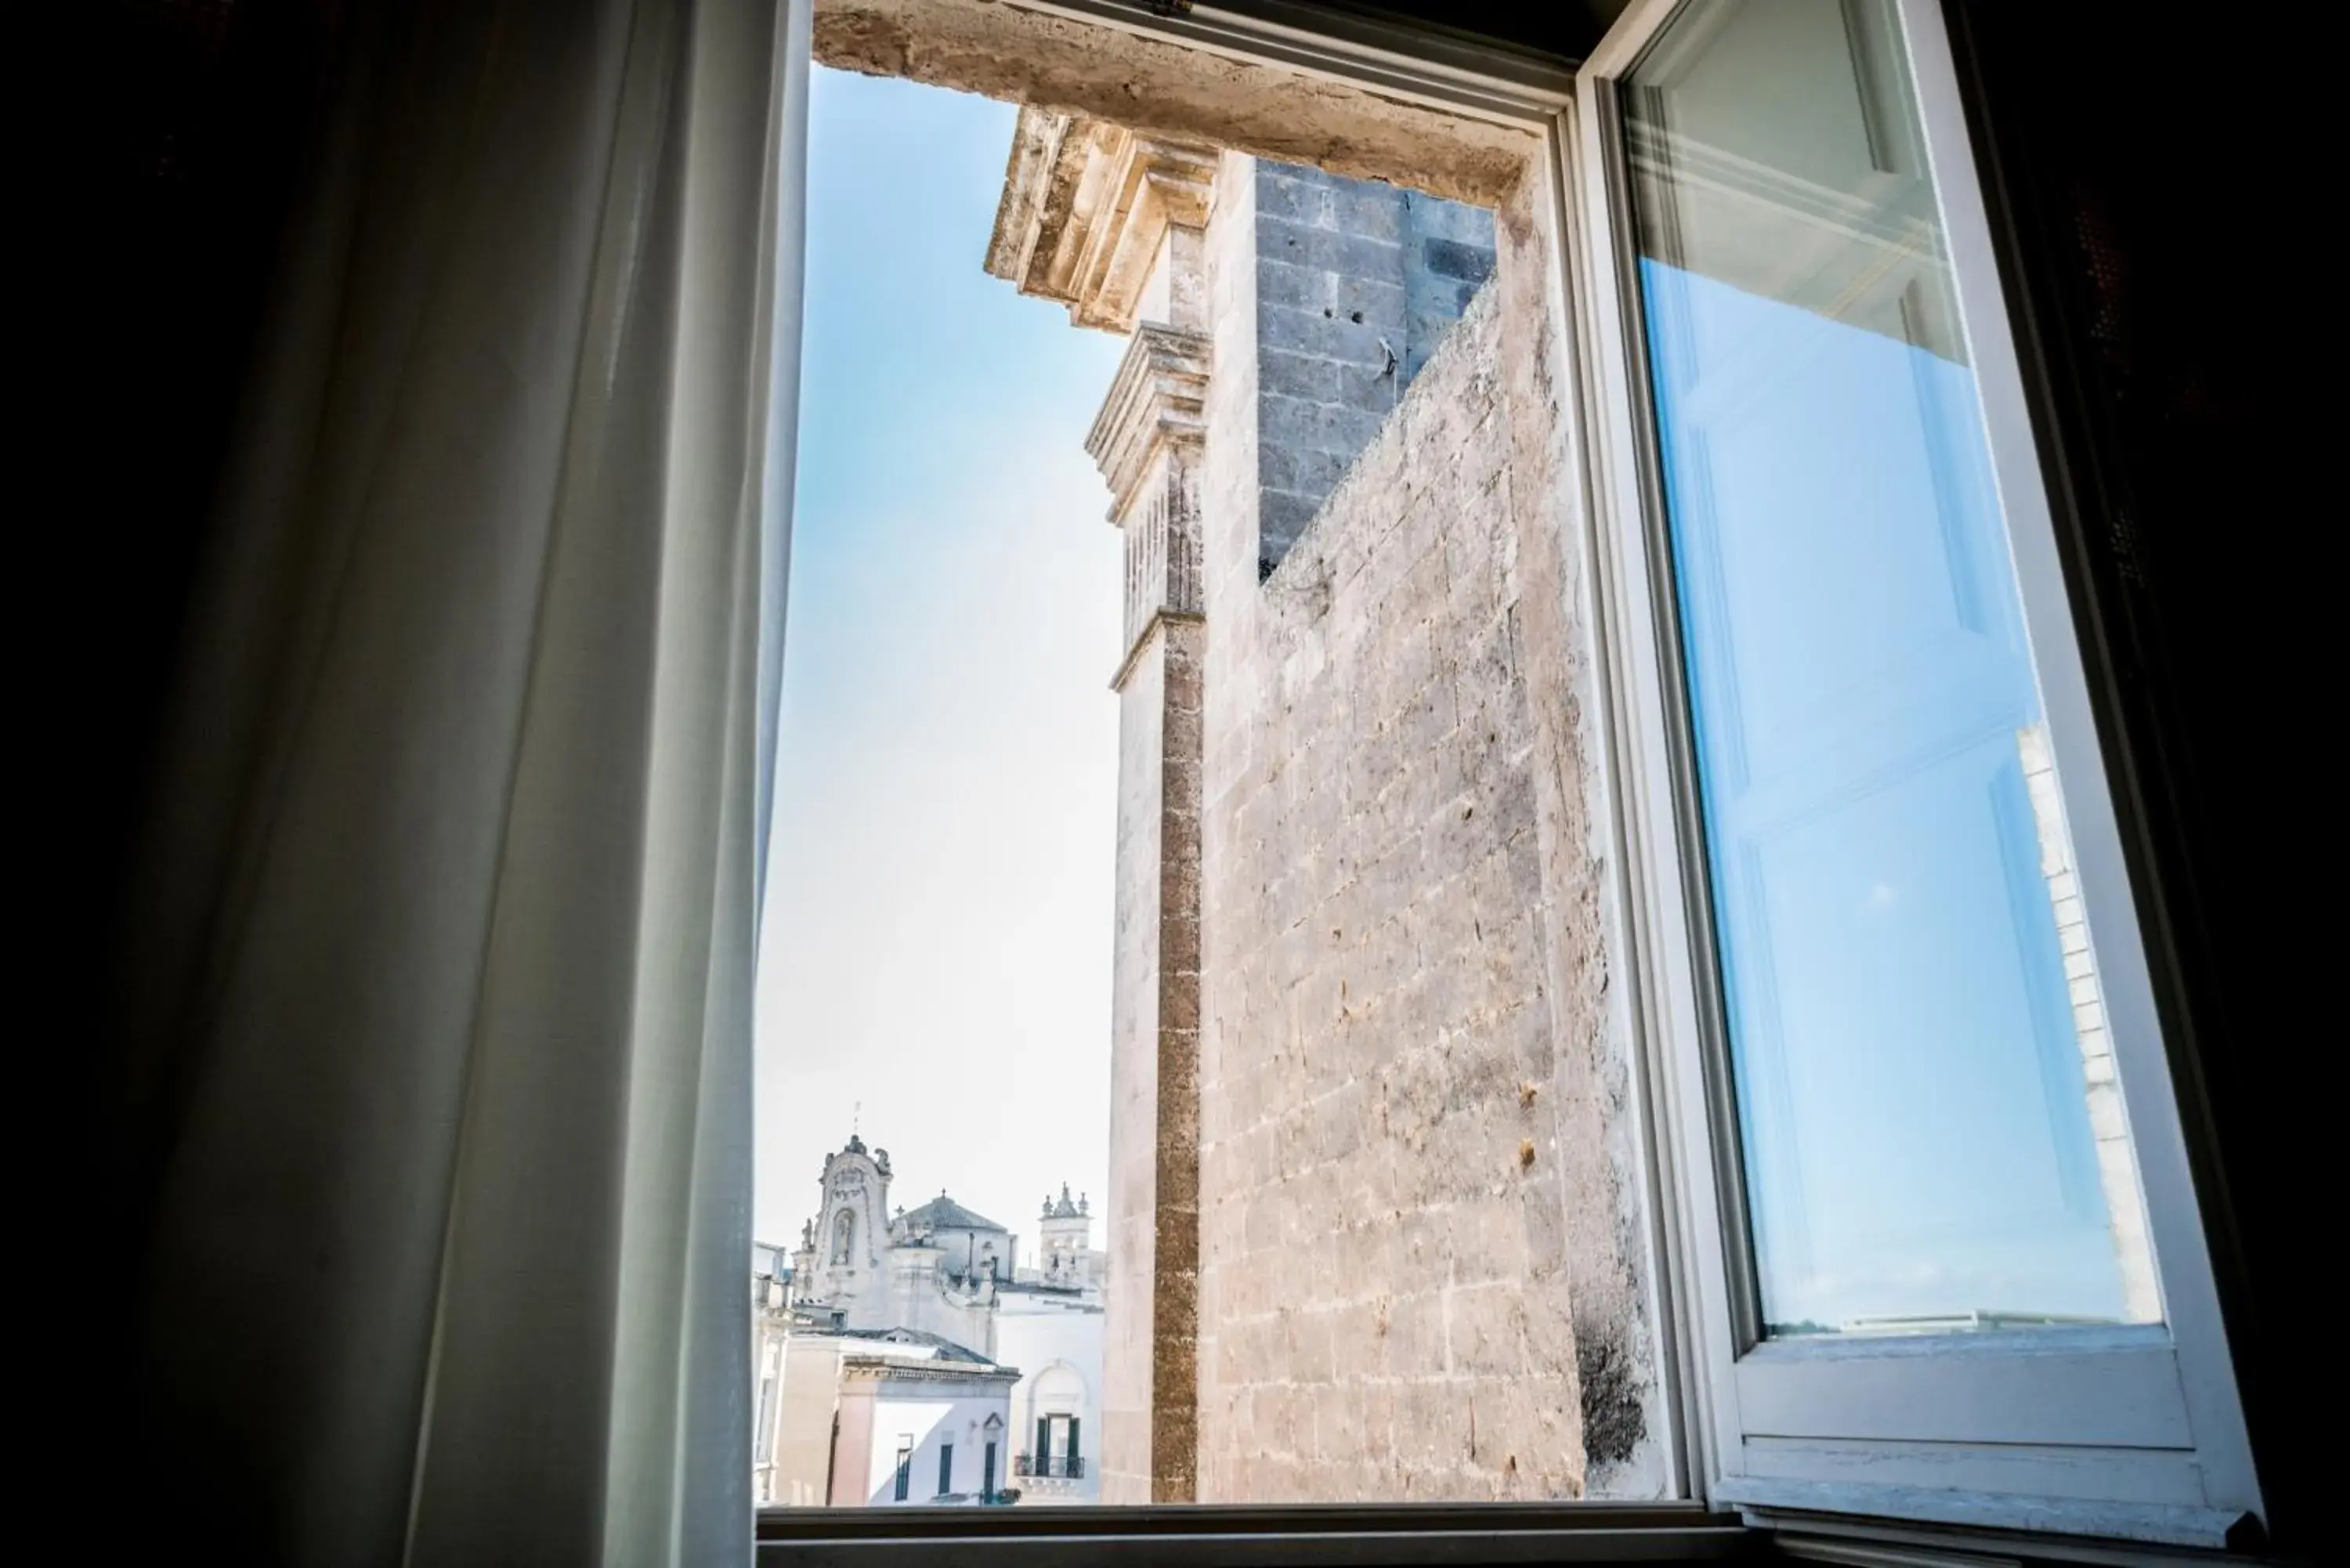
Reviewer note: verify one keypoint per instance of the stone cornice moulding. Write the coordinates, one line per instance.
(1038, 187)
(1158, 399)
(1085, 206)
(1142, 641)
(866, 1368)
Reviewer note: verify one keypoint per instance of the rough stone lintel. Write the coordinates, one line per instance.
(1169, 90)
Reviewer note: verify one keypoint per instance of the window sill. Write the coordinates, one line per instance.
(1306, 1536)
(2052, 1524)
(1456, 1536)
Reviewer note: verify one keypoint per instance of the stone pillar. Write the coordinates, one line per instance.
(1112, 224)
(1148, 440)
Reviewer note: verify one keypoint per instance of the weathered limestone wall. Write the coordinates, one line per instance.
(1357, 285)
(1598, 1166)
(1147, 1439)
(1175, 1217)
(1376, 1226)
(1382, 1310)
(1131, 1236)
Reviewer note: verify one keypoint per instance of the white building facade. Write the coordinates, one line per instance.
(919, 1422)
(1048, 1323)
(908, 1356)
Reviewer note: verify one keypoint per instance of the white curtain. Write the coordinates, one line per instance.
(440, 1010)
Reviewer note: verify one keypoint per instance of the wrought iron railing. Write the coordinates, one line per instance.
(1051, 1467)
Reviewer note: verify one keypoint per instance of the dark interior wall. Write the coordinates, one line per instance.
(2142, 217)
(191, 119)
(186, 127)
(165, 172)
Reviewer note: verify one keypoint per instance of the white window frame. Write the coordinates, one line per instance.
(2133, 1432)
(1872, 1453)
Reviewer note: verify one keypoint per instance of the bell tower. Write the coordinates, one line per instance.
(844, 1244)
(1067, 1229)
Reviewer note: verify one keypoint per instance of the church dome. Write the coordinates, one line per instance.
(943, 1213)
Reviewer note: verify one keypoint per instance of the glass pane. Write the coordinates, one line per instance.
(1932, 1133)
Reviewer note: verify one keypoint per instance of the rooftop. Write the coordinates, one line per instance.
(943, 1213)
(918, 1344)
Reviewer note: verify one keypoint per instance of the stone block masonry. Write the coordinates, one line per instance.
(1376, 1224)
(1356, 286)
(1149, 1378)
(1382, 1307)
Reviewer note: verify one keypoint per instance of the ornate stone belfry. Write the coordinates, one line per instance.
(1113, 224)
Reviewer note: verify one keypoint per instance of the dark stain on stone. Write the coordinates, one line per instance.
(1613, 1420)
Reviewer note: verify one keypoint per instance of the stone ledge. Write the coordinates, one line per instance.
(1085, 206)
(1142, 641)
(1159, 396)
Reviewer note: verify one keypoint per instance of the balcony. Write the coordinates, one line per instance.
(1051, 1467)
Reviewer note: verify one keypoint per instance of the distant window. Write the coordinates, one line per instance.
(904, 1467)
(946, 1469)
(1057, 1452)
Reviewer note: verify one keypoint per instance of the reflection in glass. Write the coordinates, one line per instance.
(1932, 1132)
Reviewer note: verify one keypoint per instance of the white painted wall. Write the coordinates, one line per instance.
(1058, 1346)
(931, 1415)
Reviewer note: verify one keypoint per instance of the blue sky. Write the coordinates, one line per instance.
(1915, 1127)
(938, 933)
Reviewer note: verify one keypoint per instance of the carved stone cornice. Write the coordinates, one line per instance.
(1085, 205)
(857, 1367)
(1149, 439)
(1159, 398)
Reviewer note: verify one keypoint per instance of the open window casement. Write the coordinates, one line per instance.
(1938, 1257)
(1925, 1251)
